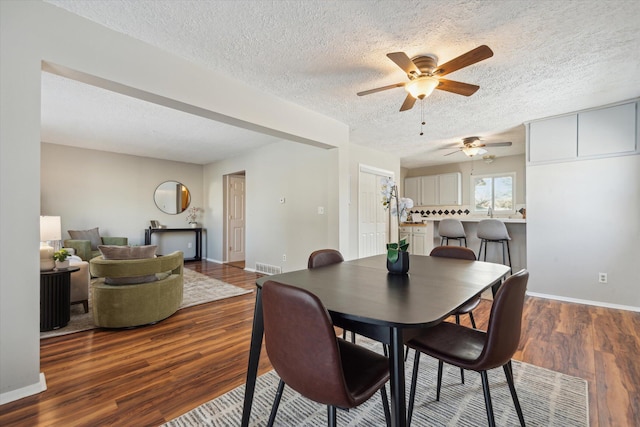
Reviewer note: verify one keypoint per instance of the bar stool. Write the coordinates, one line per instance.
(450, 228)
(494, 231)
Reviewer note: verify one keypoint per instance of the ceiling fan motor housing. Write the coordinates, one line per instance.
(426, 64)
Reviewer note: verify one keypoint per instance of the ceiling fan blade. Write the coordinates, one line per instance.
(408, 103)
(476, 55)
(453, 152)
(380, 89)
(460, 88)
(403, 61)
(498, 144)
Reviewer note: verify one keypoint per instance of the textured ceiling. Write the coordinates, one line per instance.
(550, 57)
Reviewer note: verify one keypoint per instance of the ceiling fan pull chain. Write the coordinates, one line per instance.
(421, 116)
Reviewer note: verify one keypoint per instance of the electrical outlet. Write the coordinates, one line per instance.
(320, 210)
(284, 257)
(189, 245)
(602, 277)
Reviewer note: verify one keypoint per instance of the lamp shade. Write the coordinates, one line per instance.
(422, 86)
(50, 228)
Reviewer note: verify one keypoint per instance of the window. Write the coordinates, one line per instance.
(497, 192)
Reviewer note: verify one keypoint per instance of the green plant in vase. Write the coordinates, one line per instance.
(61, 255)
(398, 207)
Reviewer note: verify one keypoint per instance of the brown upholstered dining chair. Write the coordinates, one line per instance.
(459, 253)
(309, 358)
(324, 257)
(478, 350)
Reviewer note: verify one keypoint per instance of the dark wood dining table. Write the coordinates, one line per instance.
(362, 297)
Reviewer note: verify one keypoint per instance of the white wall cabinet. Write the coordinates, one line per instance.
(434, 190)
(601, 132)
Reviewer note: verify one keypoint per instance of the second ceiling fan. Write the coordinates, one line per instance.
(424, 75)
(472, 146)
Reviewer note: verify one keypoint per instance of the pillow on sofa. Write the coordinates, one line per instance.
(92, 235)
(127, 252)
(113, 252)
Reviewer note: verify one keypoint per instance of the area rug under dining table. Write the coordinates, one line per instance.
(198, 289)
(547, 398)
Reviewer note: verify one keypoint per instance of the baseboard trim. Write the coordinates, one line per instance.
(214, 260)
(584, 301)
(29, 390)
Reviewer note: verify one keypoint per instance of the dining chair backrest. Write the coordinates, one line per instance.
(323, 257)
(505, 322)
(459, 252)
(302, 344)
(492, 229)
(451, 227)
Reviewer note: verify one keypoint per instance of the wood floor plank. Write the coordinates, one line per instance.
(149, 375)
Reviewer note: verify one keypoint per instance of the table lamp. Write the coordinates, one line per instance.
(49, 231)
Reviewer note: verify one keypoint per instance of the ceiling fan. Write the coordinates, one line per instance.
(472, 146)
(424, 75)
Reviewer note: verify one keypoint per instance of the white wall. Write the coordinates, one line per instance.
(32, 32)
(582, 219)
(299, 174)
(91, 188)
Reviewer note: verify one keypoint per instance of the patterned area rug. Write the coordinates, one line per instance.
(198, 289)
(547, 398)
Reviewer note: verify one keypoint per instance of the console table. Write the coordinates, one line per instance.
(55, 298)
(149, 231)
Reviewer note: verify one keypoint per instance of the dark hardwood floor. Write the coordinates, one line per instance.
(149, 375)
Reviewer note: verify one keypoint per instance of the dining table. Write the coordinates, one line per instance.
(361, 296)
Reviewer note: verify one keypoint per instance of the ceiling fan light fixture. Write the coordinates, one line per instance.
(470, 151)
(422, 86)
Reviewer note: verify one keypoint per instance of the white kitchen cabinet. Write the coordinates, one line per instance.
(416, 237)
(412, 188)
(434, 190)
(428, 190)
(449, 189)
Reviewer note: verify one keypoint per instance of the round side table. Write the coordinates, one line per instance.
(55, 298)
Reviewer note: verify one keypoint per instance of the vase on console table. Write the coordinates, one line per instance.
(193, 224)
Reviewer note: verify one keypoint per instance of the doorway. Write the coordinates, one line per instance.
(235, 214)
(373, 219)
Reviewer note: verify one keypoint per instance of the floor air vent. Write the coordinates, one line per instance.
(268, 269)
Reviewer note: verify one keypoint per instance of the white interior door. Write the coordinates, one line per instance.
(373, 219)
(236, 218)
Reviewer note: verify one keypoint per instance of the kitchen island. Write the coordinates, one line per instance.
(517, 228)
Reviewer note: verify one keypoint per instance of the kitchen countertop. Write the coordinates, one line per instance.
(473, 219)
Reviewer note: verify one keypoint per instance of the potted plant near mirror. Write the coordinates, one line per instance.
(397, 255)
(192, 216)
(61, 259)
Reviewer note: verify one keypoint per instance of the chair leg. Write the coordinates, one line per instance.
(344, 334)
(276, 403)
(442, 241)
(465, 241)
(414, 381)
(85, 305)
(509, 255)
(440, 365)
(473, 321)
(461, 370)
(508, 372)
(487, 398)
(385, 406)
(331, 416)
(353, 337)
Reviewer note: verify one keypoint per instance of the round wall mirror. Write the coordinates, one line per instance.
(172, 197)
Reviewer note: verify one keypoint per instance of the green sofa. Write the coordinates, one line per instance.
(83, 247)
(136, 304)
